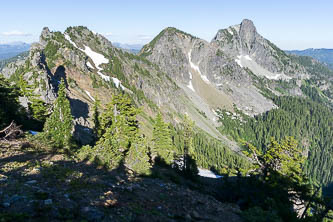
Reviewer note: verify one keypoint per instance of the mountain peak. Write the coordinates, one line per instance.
(248, 23)
(165, 35)
(45, 33)
(172, 30)
(248, 32)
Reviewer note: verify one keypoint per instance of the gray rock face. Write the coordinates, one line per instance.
(244, 40)
(216, 80)
(35, 72)
(10, 69)
(248, 33)
(45, 35)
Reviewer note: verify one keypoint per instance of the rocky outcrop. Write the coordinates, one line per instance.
(243, 40)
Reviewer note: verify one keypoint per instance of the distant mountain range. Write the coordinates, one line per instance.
(134, 48)
(12, 49)
(322, 55)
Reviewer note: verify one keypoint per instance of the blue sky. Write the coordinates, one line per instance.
(292, 24)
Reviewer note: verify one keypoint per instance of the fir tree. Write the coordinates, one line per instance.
(189, 166)
(96, 119)
(38, 109)
(120, 121)
(58, 127)
(137, 158)
(282, 158)
(162, 142)
(25, 88)
(120, 141)
(10, 108)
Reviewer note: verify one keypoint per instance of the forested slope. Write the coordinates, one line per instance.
(311, 123)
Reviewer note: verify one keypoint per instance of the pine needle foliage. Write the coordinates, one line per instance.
(162, 143)
(59, 126)
(120, 142)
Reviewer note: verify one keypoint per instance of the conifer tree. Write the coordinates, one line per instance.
(137, 158)
(189, 166)
(283, 158)
(10, 108)
(120, 120)
(38, 109)
(279, 168)
(96, 119)
(162, 142)
(25, 88)
(58, 127)
(120, 141)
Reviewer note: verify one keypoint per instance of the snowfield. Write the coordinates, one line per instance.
(88, 93)
(98, 59)
(89, 65)
(196, 68)
(117, 83)
(190, 86)
(208, 173)
(190, 83)
(70, 41)
(238, 61)
(246, 61)
(247, 57)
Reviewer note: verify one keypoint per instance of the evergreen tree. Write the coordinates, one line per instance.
(283, 158)
(120, 120)
(38, 109)
(58, 127)
(279, 170)
(120, 141)
(162, 142)
(10, 109)
(96, 119)
(137, 158)
(25, 88)
(189, 166)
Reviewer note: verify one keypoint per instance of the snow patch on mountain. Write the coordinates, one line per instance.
(98, 59)
(88, 93)
(246, 61)
(89, 65)
(247, 57)
(238, 61)
(208, 173)
(68, 38)
(196, 68)
(118, 83)
(191, 86)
